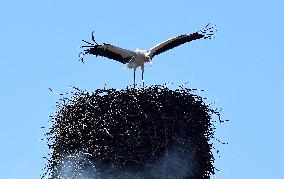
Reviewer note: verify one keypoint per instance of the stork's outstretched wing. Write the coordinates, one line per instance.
(107, 50)
(206, 32)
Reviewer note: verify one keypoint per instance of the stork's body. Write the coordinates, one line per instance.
(138, 58)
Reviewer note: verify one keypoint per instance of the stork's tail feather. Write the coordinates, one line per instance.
(208, 31)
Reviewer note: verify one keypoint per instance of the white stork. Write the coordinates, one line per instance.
(137, 58)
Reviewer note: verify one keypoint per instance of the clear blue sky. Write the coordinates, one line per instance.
(242, 69)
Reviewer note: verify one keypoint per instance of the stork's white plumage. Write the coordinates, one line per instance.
(137, 58)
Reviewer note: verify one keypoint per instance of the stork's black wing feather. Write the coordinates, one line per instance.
(110, 51)
(207, 32)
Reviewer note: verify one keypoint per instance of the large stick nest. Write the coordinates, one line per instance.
(154, 132)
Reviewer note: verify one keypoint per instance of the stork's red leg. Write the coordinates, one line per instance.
(142, 68)
(134, 78)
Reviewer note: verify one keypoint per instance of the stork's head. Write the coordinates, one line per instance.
(145, 53)
(149, 58)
